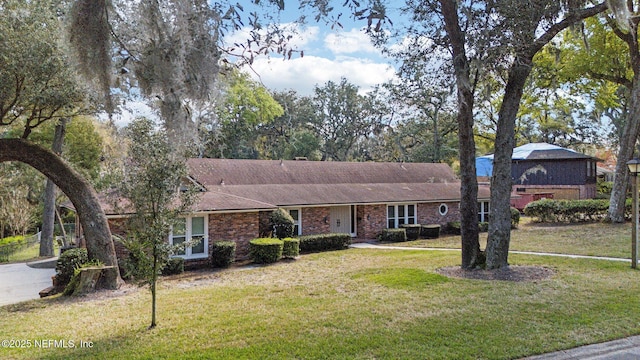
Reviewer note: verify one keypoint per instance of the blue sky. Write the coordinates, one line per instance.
(329, 54)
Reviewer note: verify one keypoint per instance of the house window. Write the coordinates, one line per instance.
(443, 209)
(297, 226)
(398, 215)
(192, 228)
(483, 211)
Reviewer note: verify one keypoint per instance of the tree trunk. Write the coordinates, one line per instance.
(154, 289)
(46, 238)
(500, 218)
(469, 183)
(49, 212)
(84, 198)
(625, 153)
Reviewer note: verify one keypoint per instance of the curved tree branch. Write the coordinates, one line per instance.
(84, 198)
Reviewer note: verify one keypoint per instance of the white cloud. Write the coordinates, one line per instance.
(302, 74)
(300, 37)
(349, 42)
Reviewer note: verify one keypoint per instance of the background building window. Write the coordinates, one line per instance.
(295, 214)
(191, 228)
(483, 211)
(398, 215)
(443, 209)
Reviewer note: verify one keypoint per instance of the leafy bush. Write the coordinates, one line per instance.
(12, 240)
(282, 223)
(223, 254)
(515, 218)
(412, 230)
(324, 242)
(67, 264)
(11, 245)
(453, 227)
(571, 211)
(604, 187)
(393, 235)
(291, 248)
(265, 250)
(174, 266)
(430, 231)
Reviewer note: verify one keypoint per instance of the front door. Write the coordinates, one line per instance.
(342, 220)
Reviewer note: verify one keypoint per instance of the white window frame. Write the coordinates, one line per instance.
(406, 218)
(483, 211)
(296, 222)
(189, 234)
(446, 209)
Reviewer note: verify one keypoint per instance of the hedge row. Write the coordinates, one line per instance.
(393, 235)
(270, 250)
(453, 227)
(571, 211)
(324, 242)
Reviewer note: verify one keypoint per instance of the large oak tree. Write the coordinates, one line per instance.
(36, 86)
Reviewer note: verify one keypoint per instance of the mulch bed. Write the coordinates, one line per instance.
(510, 273)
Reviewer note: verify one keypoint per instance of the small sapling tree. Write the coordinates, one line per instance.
(154, 192)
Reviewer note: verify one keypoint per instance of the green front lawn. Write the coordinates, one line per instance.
(596, 239)
(352, 304)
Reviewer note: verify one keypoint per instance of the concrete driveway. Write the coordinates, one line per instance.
(20, 282)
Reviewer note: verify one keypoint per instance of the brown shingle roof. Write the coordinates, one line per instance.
(266, 184)
(244, 185)
(260, 172)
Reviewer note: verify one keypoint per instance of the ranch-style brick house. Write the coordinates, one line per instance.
(361, 199)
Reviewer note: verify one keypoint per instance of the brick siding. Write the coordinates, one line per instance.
(243, 227)
(315, 220)
(238, 227)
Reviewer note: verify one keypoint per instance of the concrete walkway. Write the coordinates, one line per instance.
(24, 281)
(390, 247)
(622, 349)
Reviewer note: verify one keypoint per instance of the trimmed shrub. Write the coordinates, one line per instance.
(393, 235)
(430, 231)
(67, 264)
(282, 223)
(223, 254)
(174, 266)
(265, 250)
(571, 211)
(453, 227)
(291, 248)
(515, 218)
(324, 242)
(412, 230)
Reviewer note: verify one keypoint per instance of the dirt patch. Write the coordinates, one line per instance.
(510, 273)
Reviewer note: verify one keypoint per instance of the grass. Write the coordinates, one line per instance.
(352, 304)
(594, 239)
